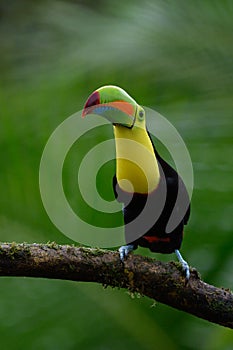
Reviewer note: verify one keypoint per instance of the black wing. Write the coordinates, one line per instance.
(174, 185)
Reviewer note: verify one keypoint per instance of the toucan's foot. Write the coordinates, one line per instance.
(184, 264)
(125, 250)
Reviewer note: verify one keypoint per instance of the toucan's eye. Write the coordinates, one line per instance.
(141, 115)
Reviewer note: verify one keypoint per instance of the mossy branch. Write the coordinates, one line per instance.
(160, 281)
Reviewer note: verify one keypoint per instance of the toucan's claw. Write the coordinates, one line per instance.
(186, 270)
(184, 264)
(125, 250)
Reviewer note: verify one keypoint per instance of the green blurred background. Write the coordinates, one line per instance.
(173, 56)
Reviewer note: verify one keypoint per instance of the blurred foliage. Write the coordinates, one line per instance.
(174, 56)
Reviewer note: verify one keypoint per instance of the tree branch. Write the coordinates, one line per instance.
(160, 281)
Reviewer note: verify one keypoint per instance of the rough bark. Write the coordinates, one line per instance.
(160, 281)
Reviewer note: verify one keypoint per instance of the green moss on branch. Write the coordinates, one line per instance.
(162, 282)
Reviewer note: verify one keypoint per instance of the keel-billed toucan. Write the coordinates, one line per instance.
(146, 185)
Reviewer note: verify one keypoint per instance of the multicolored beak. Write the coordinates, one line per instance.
(112, 103)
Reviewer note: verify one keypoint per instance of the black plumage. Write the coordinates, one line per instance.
(157, 208)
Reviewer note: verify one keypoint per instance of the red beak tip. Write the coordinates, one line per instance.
(94, 99)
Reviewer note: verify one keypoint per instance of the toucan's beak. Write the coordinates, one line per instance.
(117, 112)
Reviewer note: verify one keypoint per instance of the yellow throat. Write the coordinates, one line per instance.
(136, 164)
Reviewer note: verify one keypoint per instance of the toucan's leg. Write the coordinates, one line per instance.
(184, 264)
(125, 250)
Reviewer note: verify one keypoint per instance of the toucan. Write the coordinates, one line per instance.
(156, 204)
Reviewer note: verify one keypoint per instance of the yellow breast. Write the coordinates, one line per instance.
(136, 165)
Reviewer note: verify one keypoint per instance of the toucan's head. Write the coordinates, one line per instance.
(114, 104)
